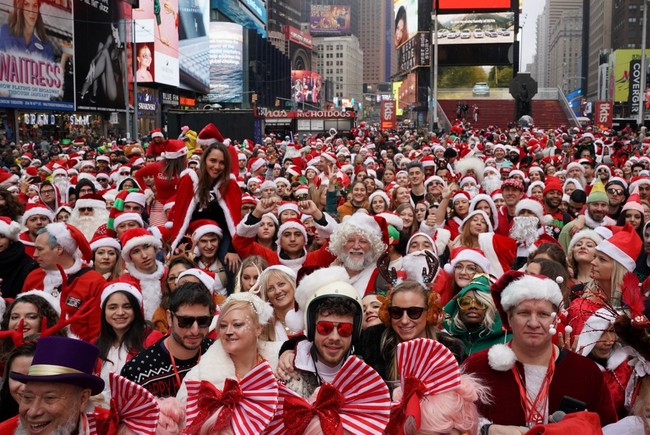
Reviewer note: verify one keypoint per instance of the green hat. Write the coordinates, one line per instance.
(480, 283)
(597, 193)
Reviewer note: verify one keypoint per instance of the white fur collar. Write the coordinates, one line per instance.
(591, 223)
(303, 360)
(150, 286)
(53, 278)
(216, 366)
(618, 357)
(294, 264)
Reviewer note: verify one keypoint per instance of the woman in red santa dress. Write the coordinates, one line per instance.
(212, 193)
(167, 173)
(292, 237)
(139, 249)
(240, 397)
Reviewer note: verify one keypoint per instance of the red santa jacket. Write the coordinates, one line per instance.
(83, 287)
(165, 189)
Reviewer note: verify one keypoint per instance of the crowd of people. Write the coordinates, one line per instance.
(488, 281)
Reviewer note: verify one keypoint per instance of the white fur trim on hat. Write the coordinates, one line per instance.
(292, 225)
(38, 211)
(125, 217)
(257, 164)
(617, 254)
(365, 223)
(63, 237)
(468, 255)
(120, 287)
(263, 310)
(282, 180)
(394, 220)
(593, 329)
(137, 241)
(10, 230)
(106, 242)
(534, 206)
(267, 184)
(474, 213)
(380, 193)
(54, 303)
(575, 165)
(288, 206)
(286, 270)
(530, 287)
(136, 197)
(206, 229)
(89, 203)
(205, 279)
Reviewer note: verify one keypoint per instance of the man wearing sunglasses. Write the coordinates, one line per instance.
(88, 214)
(161, 368)
(333, 315)
(616, 189)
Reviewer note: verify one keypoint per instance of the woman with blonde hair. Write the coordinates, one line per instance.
(475, 223)
(581, 252)
(277, 286)
(249, 273)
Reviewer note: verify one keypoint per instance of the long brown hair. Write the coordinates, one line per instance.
(172, 168)
(16, 21)
(205, 183)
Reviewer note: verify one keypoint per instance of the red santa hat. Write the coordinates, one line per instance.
(462, 253)
(379, 193)
(473, 213)
(125, 217)
(137, 237)
(256, 164)
(292, 223)
(92, 200)
(126, 287)
(282, 180)
(634, 202)
(535, 207)
(104, 241)
(461, 194)
(496, 194)
(7, 178)
(331, 157)
(206, 277)
(288, 205)
(248, 199)
(37, 209)
(294, 171)
(624, 246)
(589, 326)
(301, 190)
(71, 240)
(9, 229)
(103, 158)
(174, 149)
(201, 227)
(137, 197)
(209, 135)
(156, 132)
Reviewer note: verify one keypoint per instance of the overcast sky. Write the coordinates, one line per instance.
(531, 10)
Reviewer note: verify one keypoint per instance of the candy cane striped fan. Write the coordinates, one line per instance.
(131, 405)
(253, 412)
(366, 409)
(276, 427)
(430, 362)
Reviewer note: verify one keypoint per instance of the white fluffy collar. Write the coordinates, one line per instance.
(53, 278)
(144, 276)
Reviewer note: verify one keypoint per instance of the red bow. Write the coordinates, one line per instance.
(409, 406)
(211, 399)
(298, 412)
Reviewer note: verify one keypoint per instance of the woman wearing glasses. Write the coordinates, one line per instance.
(472, 317)
(124, 331)
(410, 311)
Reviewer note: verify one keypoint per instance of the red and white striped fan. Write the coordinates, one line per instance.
(255, 409)
(131, 405)
(277, 427)
(366, 408)
(430, 362)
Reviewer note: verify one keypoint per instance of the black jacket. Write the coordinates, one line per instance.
(15, 265)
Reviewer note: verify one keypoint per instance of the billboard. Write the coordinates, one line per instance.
(388, 115)
(329, 20)
(306, 86)
(406, 20)
(622, 62)
(194, 45)
(476, 5)
(415, 52)
(395, 92)
(157, 28)
(408, 91)
(604, 114)
(99, 52)
(485, 28)
(37, 74)
(226, 64)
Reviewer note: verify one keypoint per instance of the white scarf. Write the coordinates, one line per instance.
(150, 286)
(591, 223)
(53, 278)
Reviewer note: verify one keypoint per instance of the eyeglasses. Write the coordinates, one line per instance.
(467, 301)
(469, 269)
(47, 192)
(344, 329)
(615, 192)
(188, 321)
(414, 313)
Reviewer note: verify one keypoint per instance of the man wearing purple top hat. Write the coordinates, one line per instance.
(58, 387)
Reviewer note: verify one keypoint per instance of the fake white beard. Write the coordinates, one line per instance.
(491, 183)
(88, 224)
(413, 264)
(63, 184)
(472, 190)
(351, 264)
(524, 230)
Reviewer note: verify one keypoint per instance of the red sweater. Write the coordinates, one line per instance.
(164, 189)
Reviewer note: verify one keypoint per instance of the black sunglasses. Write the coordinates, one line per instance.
(188, 321)
(414, 313)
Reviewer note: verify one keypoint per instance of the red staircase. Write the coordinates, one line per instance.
(546, 113)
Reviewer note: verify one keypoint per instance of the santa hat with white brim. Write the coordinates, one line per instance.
(120, 287)
(137, 237)
(624, 246)
(51, 300)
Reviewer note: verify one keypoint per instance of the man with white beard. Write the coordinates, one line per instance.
(62, 182)
(89, 213)
(358, 242)
(528, 229)
(491, 180)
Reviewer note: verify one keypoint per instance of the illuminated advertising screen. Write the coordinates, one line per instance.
(624, 62)
(194, 45)
(476, 5)
(408, 91)
(485, 28)
(416, 52)
(306, 86)
(157, 28)
(37, 74)
(329, 20)
(99, 53)
(406, 20)
(226, 64)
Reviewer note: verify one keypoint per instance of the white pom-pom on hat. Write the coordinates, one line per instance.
(501, 357)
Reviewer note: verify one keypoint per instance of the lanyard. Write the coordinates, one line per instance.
(171, 356)
(534, 410)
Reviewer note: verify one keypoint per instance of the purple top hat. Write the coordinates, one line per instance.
(66, 361)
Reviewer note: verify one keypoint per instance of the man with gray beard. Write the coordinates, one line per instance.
(89, 213)
(57, 390)
(358, 242)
